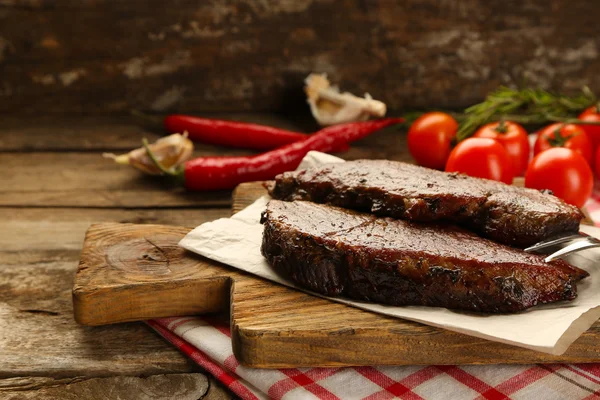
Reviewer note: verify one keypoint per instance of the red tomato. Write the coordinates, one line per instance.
(591, 114)
(563, 171)
(429, 139)
(513, 137)
(564, 135)
(482, 158)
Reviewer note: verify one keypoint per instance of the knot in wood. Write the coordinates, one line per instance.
(147, 255)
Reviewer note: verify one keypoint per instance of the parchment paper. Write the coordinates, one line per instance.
(547, 328)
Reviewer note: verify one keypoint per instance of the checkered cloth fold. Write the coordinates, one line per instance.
(207, 341)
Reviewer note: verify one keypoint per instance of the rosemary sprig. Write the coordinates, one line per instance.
(525, 106)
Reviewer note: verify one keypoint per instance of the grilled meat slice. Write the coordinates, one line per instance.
(507, 214)
(334, 251)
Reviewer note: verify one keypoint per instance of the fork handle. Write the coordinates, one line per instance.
(573, 247)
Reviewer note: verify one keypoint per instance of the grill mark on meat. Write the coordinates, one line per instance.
(397, 262)
(507, 214)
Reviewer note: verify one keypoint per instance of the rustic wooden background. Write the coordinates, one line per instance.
(71, 70)
(108, 56)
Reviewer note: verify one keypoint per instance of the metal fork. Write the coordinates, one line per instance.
(566, 245)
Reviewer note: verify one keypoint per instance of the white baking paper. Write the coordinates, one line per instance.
(547, 328)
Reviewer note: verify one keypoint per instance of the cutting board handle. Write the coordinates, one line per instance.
(133, 272)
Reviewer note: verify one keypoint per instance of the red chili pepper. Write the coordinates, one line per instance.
(231, 133)
(217, 173)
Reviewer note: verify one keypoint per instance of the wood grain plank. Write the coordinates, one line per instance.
(88, 180)
(156, 387)
(30, 231)
(38, 336)
(48, 133)
(248, 55)
(114, 134)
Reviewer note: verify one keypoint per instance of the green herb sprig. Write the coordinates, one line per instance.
(524, 106)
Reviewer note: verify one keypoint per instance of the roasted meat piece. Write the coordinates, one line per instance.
(507, 214)
(334, 251)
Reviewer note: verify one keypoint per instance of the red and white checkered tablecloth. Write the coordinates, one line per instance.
(593, 205)
(207, 341)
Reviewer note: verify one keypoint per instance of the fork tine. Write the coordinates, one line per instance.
(549, 243)
(579, 245)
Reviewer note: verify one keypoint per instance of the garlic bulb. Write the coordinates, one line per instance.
(330, 107)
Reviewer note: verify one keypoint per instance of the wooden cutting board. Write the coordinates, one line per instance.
(134, 272)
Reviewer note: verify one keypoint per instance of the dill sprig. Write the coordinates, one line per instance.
(525, 106)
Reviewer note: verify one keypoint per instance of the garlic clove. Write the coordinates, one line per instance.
(329, 107)
(170, 151)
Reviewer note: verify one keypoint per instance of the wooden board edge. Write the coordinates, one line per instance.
(210, 294)
(365, 347)
(188, 295)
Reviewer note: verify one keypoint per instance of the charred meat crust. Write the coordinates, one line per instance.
(507, 214)
(336, 252)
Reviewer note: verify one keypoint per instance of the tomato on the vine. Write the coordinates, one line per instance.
(481, 158)
(429, 139)
(564, 135)
(591, 114)
(563, 171)
(513, 137)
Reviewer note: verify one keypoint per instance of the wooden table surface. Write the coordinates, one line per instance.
(54, 184)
